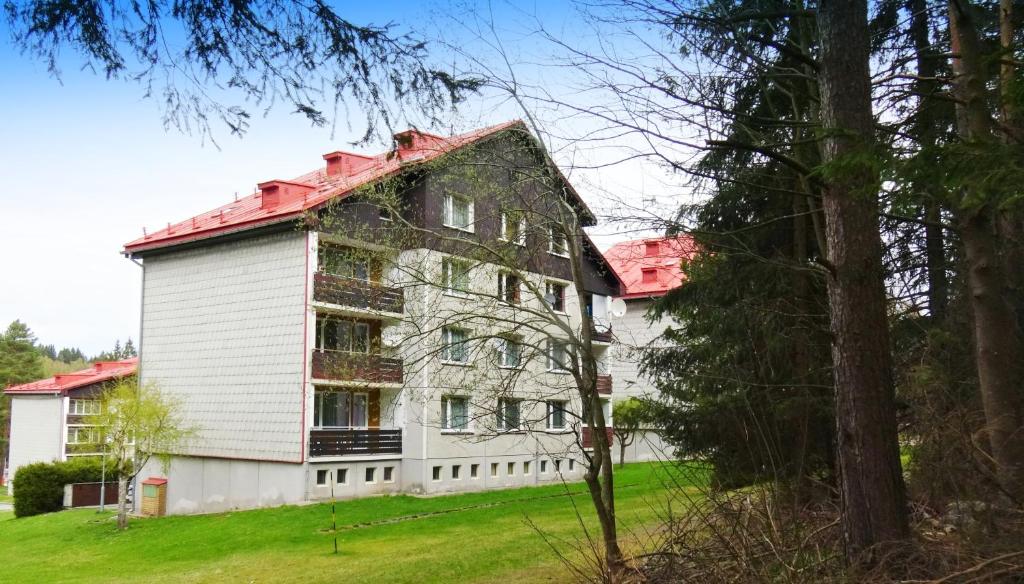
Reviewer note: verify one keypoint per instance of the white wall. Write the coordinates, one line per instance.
(37, 430)
(222, 330)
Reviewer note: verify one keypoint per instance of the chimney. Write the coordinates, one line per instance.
(345, 163)
(278, 192)
(416, 140)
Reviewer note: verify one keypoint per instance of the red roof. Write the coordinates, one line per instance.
(279, 200)
(650, 267)
(100, 371)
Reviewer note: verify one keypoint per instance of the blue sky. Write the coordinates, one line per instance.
(87, 163)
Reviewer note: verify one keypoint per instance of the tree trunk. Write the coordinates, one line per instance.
(870, 478)
(925, 133)
(998, 346)
(122, 501)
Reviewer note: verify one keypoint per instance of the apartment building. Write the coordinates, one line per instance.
(404, 322)
(648, 269)
(51, 418)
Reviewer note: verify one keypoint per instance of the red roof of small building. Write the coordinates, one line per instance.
(63, 382)
(650, 267)
(277, 200)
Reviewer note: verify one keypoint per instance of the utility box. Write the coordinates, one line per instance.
(154, 497)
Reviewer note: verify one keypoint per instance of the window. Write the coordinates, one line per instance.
(342, 475)
(343, 261)
(474, 471)
(455, 413)
(458, 212)
(338, 334)
(554, 294)
(511, 469)
(544, 467)
(494, 469)
(649, 275)
(651, 249)
(83, 435)
(456, 471)
(513, 227)
(511, 352)
(371, 474)
(321, 478)
(572, 464)
(437, 473)
(340, 409)
(556, 417)
(558, 465)
(526, 467)
(559, 357)
(389, 474)
(454, 345)
(455, 276)
(508, 288)
(84, 407)
(508, 414)
(556, 241)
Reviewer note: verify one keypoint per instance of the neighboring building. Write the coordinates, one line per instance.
(648, 269)
(309, 356)
(50, 418)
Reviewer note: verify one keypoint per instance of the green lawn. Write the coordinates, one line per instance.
(478, 537)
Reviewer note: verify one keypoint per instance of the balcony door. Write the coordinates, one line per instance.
(341, 409)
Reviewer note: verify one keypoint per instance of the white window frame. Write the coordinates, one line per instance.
(446, 415)
(549, 287)
(503, 352)
(84, 407)
(503, 278)
(501, 421)
(449, 212)
(448, 267)
(551, 406)
(75, 429)
(521, 239)
(447, 345)
(554, 366)
(554, 233)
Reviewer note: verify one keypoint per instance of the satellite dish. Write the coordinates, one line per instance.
(549, 298)
(617, 307)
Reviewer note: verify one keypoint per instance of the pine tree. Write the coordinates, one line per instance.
(20, 362)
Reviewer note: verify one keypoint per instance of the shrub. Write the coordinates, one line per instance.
(39, 487)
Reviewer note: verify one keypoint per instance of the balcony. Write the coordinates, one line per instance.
(604, 384)
(601, 334)
(587, 436)
(356, 293)
(354, 442)
(365, 367)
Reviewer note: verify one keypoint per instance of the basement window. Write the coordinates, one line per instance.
(437, 473)
(342, 474)
(456, 472)
(371, 475)
(389, 474)
(511, 469)
(544, 467)
(494, 469)
(474, 471)
(321, 478)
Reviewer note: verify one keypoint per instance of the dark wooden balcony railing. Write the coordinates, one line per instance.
(602, 334)
(345, 366)
(604, 384)
(353, 442)
(356, 293)
(587, 436)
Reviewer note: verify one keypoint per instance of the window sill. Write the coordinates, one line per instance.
(457, 432)
(560, 255)
(462, 229)
(456, 363)
(510, 367)
(560, 371)
(558, 430)
(519, 243)
(456, 294)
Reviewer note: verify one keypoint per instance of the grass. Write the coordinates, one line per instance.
(474, 537)
(4, 497)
